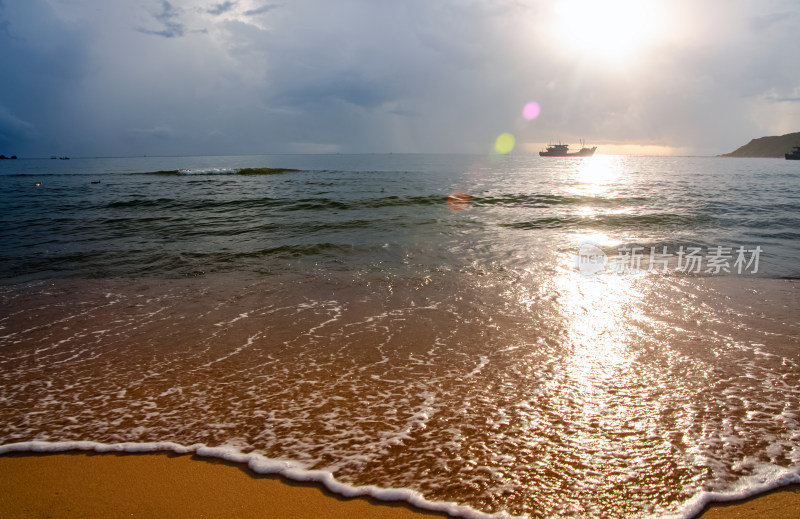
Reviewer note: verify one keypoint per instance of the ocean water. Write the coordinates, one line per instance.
(510, 335)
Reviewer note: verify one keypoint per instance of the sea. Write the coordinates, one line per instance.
(484, 335)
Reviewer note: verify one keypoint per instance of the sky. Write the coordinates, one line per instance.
(189, 77)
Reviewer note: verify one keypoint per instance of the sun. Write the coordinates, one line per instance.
(614, 30)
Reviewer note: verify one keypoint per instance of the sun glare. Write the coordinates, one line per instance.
(612, 29)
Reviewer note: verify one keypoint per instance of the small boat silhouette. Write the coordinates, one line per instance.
(562, 150)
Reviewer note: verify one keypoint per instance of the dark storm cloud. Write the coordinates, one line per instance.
(168, 18)
(3, 22)
(13, 129)
(160, 132)
(43, 61)
(774, 99)
(221, 8)
(350, 88)
(260, 10)
(359, 75)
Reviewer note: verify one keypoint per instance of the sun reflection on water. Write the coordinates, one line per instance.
(598, 181)
(600, 345)
(595, 312)
(597, 175)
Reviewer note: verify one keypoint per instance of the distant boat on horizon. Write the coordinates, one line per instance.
(562, 150)
(794, 155)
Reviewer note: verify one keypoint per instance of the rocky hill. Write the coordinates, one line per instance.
(768, 147)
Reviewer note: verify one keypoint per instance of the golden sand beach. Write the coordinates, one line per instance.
(184, 486)
(167, 485)
(779, 504)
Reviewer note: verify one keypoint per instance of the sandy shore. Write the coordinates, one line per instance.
(780, 504)
(183, 486)
(163, 485)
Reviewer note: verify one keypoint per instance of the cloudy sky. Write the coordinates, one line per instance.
(177, 77)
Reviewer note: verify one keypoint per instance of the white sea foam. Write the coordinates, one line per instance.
(765, 478)
(483, 362)
(261, 465)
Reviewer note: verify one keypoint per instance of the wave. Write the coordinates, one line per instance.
(260, 465)
(548, 200)
(764, 480)
(286, 251)
(288, 204)
(169, 172)
(221, 171)
(615, 221)
(327, 203)
(37, 175)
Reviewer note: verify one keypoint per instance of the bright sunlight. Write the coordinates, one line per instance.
(612, 30)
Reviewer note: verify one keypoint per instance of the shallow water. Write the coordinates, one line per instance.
(346, 318)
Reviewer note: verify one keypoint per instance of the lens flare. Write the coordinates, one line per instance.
(504, 143)
(531, 110)
(458, 201)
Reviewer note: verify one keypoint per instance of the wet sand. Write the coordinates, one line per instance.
(165, 485)
(619, 387)
(779, 504)
(184, 486)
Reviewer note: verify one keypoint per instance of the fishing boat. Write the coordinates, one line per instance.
(794, 155)
(562, 150)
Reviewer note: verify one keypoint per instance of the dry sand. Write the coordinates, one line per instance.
(182, 486)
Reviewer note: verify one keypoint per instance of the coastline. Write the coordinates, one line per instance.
(166, 484)
(780, 503)
(108, 485)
